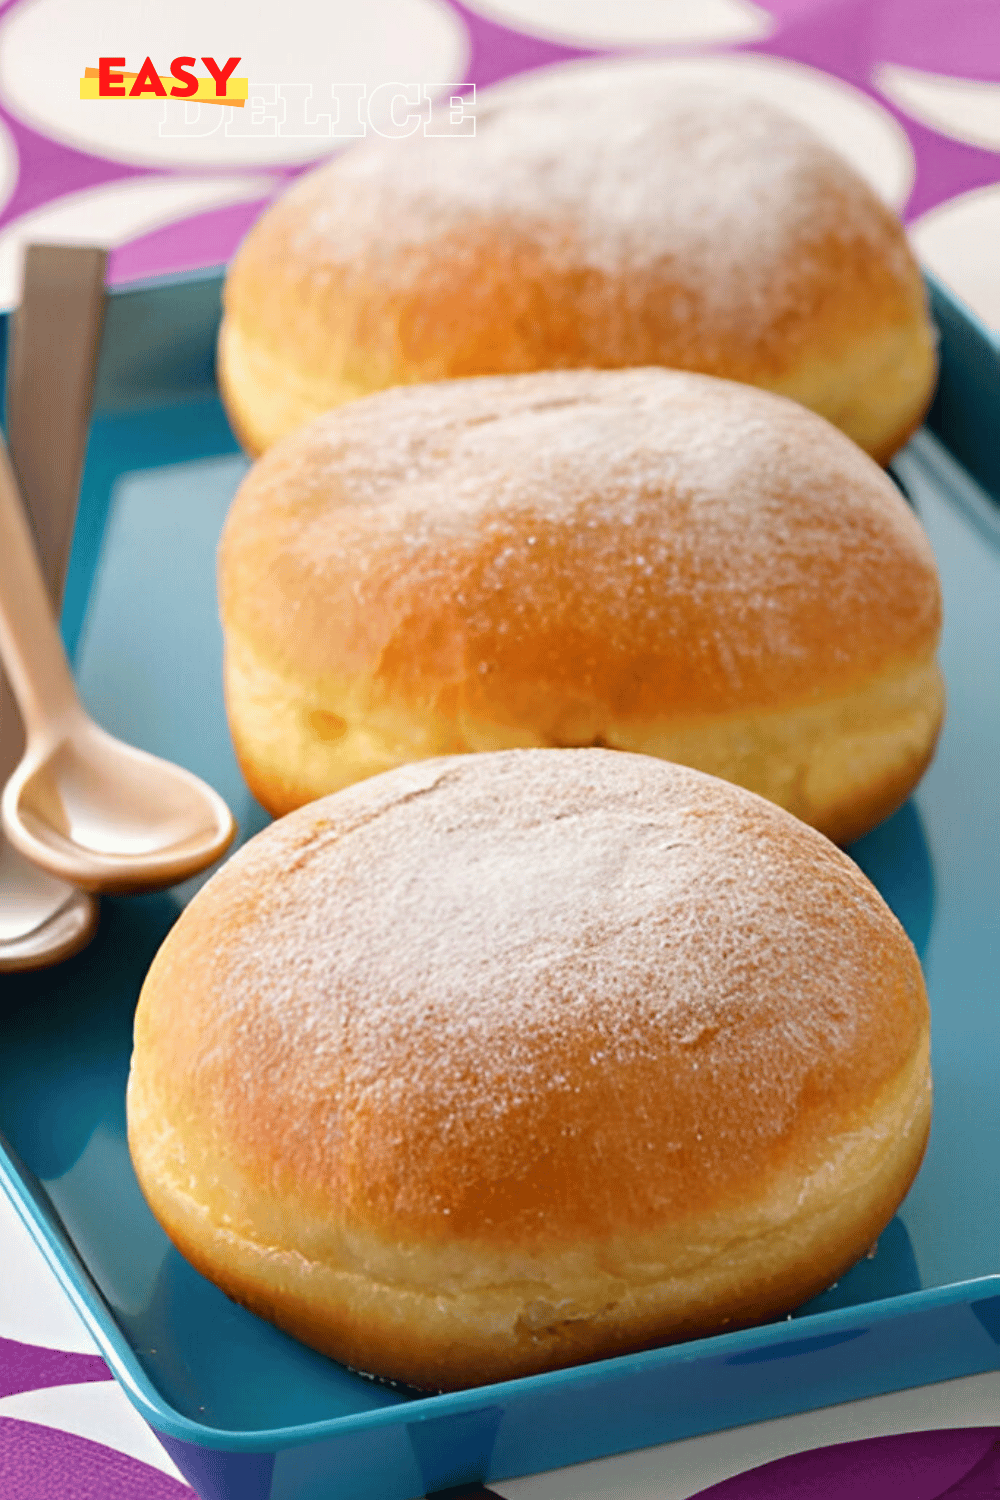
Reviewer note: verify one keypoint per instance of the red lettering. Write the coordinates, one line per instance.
(179, 69)
(106, 80)
(220, 74)
(147, 82)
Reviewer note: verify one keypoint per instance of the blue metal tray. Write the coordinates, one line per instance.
(249, 1414)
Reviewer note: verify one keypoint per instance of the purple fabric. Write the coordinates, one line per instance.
(26, 1367)
(982, 1482)
(937, 37)
(916, 1466)
(206, 239)
(851, 38)
(495, 52)
(40, 1463)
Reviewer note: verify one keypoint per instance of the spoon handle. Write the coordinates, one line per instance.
(30, 645)
(52, 347)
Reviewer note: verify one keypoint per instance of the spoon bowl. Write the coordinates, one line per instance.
(42, 920)
(81, 805)
(112, 818)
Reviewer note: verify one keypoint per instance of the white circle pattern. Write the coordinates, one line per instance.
(960, 242)
(965, 109)
(604, 23)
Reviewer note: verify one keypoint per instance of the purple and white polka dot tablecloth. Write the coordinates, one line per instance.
(909, 90)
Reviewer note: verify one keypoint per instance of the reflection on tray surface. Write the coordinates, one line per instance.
(896, 859)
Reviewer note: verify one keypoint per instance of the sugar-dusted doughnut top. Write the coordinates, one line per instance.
(601, 216)
(546, 549)
(528, 998)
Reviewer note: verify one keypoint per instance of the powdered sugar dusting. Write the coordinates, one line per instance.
(610, 172)
(441, 957)
(702, 542)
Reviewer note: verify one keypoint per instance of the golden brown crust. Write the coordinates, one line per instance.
(600, 217)
(498, 1062)
(643, 559)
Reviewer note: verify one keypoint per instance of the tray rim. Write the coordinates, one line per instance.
(40, 1217)
(61, 1255)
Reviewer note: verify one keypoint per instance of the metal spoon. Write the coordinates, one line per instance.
(55, 336)
(82, 805)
